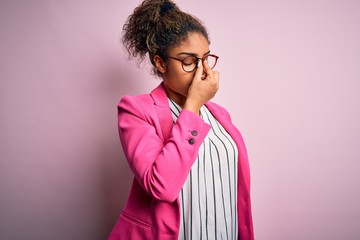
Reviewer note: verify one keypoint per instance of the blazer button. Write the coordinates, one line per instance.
(194, 133)
(191, 141)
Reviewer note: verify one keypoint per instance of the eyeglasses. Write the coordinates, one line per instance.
(190, 63)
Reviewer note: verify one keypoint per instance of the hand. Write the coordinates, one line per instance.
(204, 86)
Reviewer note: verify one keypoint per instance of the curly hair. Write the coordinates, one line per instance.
(155, 26)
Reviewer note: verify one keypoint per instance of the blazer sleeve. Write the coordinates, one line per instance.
(160, 165)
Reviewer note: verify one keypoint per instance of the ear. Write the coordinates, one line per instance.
(160, 64)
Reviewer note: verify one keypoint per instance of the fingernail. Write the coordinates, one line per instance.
(199, 64)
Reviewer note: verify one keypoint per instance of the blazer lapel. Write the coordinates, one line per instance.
(162, 108)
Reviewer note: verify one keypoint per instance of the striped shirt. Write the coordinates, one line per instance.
(208, 198)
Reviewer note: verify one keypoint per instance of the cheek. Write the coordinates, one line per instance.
(181, 77)
(188, 77)
(186, 80)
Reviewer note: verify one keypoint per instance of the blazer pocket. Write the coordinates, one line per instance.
(135, 221)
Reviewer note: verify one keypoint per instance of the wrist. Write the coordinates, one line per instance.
(195, 108)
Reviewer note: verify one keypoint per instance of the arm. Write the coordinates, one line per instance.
(160, 166)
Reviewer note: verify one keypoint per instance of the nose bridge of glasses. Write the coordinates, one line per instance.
(202, 59)
(189, 67)
(197, 60)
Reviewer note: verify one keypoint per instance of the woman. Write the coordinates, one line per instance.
(191, 172)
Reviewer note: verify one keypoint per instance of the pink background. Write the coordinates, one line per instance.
(290, 76)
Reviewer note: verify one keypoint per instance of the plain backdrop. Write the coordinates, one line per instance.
(290, 77)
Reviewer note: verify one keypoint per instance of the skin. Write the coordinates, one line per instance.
(189, 90)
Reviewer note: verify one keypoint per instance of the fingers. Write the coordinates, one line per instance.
(199, 72)
(206, 67)
(204, 72)
(207, 72)
(211, 76)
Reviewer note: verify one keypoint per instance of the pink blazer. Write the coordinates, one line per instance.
(161, 154)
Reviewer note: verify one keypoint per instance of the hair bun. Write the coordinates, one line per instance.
(155, 26)
(166, 7)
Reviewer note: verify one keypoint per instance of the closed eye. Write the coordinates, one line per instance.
(189, 61)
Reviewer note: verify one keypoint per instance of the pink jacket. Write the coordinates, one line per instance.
(161, 154)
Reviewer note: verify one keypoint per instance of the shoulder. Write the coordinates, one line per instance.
(143, 99)
(136, 105)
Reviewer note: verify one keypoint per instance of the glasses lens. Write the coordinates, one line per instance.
(211, 61)
(189, 63)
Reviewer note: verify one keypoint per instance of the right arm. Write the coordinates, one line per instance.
(160, 167)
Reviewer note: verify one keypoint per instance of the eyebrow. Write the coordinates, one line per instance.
(192, 54)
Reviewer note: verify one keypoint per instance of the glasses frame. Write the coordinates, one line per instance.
(196, 61)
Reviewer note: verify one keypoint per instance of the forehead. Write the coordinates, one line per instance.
(195, 43)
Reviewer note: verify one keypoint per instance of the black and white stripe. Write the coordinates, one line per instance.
(209, 196)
